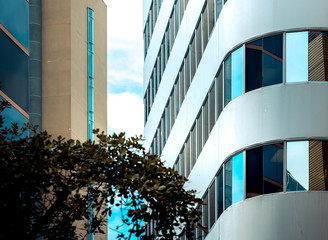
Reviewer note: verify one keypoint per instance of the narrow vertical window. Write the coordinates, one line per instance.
(297, 57)
(90, 94)
(234, 180)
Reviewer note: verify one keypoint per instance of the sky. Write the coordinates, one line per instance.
(125, 66)
(124, 75)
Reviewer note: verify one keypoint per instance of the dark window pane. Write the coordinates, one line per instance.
(228, 183)
(254, 172)
(273, 45)
(318, 168)
(273, 168)
(227, 80)
(220, 192)
(272, 70)
(212, 204)
(253, 67)
(205, 215)
(14, 71)
(219, 92)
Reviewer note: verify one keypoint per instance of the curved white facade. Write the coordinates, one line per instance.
(274, 115)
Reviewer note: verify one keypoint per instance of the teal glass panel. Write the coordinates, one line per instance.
(14, 67)
(233, 76)
(90, 64)
(297, 175)
(14, 16)
(234, 180)
(297, 57)
(237, 73)
(12, 115)
(238, 178)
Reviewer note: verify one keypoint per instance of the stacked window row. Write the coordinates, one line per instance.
(260, 171)
(210, 12)
(263, 62)
(150, 23)
(164, 53)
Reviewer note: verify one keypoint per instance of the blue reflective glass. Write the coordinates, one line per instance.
(237, 73)
(234, 180)
(14, 16)
(12, 115)
(14, 71)
(297, 175)
(233, 76)
(90, 64)
(238, 178)
(297, 57)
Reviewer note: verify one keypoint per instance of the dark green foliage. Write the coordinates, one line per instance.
(44, 182)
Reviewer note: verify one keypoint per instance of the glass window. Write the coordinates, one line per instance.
(212, 204)
(193, 59)
(318, 168)
(205, 214)
(183, 165)
(188, 163)
(14, 16)
(182, 85)
(199, 133)
(233, 76)
(264, 62)
(297, 166)
(234, 180)
(193, 148)
(212, 107)
(318, 61)
(264, 166)
(205, 26)
(187, 70)
(198, 43)
(211, 18)
(219, 94)
(297, 57)
(219, 180)
(218, 8)
(205, 117)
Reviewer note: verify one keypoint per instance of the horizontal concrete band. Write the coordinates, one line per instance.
(294, 215)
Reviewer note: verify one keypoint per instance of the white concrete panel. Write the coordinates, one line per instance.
(294, 215)
(279, 112)
(172, 68)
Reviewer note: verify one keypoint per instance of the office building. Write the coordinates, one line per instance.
(235, 96)
(53, 66)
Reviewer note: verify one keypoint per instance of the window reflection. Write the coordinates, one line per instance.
(220, 193)
(297, 175)
(318, 59)
(233, 76)
(318, 169)
(234, 180)
(264, 62)
(264, 170)
(297, 57)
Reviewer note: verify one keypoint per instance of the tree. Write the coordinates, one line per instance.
(47, 185)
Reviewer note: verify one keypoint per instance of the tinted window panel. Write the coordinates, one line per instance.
(254, 174)
(14, 71)
(220, 193)
(237, 178)
(272, 168)
(14, 15)
(253, 67)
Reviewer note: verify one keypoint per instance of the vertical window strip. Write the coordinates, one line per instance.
(90, 94)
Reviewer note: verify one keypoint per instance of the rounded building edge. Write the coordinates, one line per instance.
(293, 215)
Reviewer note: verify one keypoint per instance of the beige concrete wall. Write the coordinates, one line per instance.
(64, 67)
(65, 72)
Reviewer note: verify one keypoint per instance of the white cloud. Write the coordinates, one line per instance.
(125, 113)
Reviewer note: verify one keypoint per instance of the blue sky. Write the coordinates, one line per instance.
(124, 74)
(125, 66)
